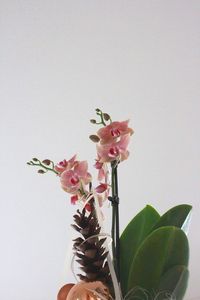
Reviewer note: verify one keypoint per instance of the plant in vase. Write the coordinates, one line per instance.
(150, 258)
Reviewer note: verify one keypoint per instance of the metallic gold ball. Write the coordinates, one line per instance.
(89, 291)
(64, 291)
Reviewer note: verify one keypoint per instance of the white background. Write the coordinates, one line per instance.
(59, 61)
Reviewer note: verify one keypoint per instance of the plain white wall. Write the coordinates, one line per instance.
(59, 61)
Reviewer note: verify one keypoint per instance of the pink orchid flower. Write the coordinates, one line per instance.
(102, 174)
(65, 165)
(114, 151)
(74, 180)
(113, 131)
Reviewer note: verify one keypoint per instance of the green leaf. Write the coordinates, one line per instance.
(173, 283)
(133, 235)
(163, 249)
(176, 216)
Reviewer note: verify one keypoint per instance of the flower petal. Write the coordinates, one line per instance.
(101, 174)
(124, 141)
(81, 168)
(74, 199)
(72, 160)
(87, 178)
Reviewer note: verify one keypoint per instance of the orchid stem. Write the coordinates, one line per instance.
(115, 220)
(100, 114)
(117, 226)
(113, 216)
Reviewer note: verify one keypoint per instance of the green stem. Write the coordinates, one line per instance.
(39, 164)
(102, 119)
(100, 123)
(115, 220)
(100, 114)
(117, 226)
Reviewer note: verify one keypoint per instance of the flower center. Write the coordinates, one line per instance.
(114, 151)
(115, 132)
(74, 180)
(63, 163)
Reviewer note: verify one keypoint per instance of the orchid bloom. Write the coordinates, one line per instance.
(102, 169)
(73, 181)
(102, 189)
(114, 151)
(65, 165)
(112, 132)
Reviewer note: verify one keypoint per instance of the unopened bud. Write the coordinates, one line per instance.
(41, 171)
(98, 110)
(35, 159)
(93, 121)
(46, 162)
(94, 138)
(101, 188)
(106, 116)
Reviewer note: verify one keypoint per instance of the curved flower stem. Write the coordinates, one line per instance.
(38, 163)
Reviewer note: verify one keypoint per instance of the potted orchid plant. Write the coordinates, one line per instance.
(149, 260)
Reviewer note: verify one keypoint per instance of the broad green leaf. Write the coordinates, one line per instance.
(135, 232)
(163, 249)
(173, 283)
(176, 216)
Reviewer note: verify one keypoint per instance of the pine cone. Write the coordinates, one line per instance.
(90, 251)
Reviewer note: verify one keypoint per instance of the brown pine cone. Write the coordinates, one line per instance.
(89, 248)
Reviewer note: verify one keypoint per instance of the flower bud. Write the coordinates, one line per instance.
(106, 116)
(98, 110)
(41, 171)
(46, 162)
(98, 165)
(35, 159)
(93, 121)
(74, 199)
(94, 138)
(101, 188)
